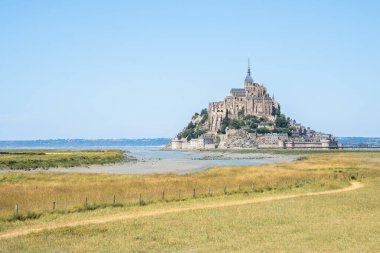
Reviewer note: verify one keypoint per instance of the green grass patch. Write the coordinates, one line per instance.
(44, 159)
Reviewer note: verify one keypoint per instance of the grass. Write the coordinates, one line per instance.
(35, 192)
(332, 223)
(33, 159)
(336, 223)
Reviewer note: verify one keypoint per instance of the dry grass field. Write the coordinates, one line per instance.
(344, 222)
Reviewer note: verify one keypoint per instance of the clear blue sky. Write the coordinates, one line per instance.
(123, 69)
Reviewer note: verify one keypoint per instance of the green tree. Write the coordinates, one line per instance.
(204, 118)
(198, 132)
(187, 133)
(251, 118)
(235, 124)
(276, 111)
(281, 121)
(253, 126)
(225, 123)
(190, 125)
(241, 113)
(280, 130)
(262, 130)
(195, 115)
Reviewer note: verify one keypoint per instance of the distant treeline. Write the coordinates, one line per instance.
(82, 143)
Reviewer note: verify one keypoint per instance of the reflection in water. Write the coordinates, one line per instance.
(184, 162)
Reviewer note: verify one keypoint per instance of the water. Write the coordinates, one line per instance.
(157, 153)
(107, 143)
(151, 159)
(182, 162)
(154, 160)
(359, 141)
(81, 143)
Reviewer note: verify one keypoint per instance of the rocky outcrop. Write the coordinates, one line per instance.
(237, 138)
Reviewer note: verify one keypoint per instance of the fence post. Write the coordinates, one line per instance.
(114, 199)
(239, 187)
(163, 195)
(53, 205)
(140, 200)
(225, 189)
(16, 209)
(85, 203)
(193, 192)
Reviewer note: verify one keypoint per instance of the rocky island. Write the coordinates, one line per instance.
(248, 118)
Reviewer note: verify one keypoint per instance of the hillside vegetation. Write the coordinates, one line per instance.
(253, 124)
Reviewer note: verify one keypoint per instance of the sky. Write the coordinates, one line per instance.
(140, 69)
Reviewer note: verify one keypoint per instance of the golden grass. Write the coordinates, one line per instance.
(344, 222)
(35, 192)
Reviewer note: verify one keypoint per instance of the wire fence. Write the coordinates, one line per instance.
(84, 201)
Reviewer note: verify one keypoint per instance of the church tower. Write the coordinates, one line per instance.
(248, 79)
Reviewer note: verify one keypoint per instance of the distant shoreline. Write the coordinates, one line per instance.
(141, 142)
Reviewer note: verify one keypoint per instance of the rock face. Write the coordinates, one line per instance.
(237, 138)
(248, 118)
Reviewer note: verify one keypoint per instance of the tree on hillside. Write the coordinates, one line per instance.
(204, 118)
(281, 121)
(262, 130)
(225, 123)
(204, 111)
(190, 125)
(276, 111)
(241, 113)
(195, 115)
(235, 124)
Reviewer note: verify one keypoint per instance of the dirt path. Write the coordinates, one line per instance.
(124, 216)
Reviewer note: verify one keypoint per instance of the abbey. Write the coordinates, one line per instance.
(248, 118)
(252, 100)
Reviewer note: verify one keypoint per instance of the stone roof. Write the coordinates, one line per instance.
(258, 98)
(235, 90)
(248, 78)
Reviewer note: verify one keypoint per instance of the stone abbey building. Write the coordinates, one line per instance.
(252, 100)
(216, 127)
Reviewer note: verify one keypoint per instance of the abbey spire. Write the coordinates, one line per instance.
(248, 78)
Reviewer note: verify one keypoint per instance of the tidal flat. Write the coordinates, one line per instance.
(153, 160)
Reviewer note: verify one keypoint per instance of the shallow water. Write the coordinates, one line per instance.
(153, 160)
